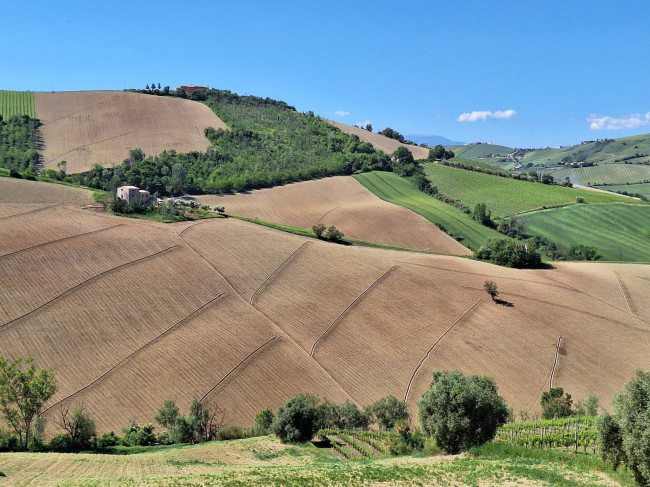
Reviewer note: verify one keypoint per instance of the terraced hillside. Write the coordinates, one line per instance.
(130, 313)
(381, 142)
(100, 127)
(343, 202)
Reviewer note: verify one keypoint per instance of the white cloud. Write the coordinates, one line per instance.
(613, 123)
(483, 115)
(363, 124)
(341, 113)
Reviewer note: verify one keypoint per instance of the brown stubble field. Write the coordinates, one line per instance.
(341, 201)
(130, 313)
(381, 142)
(100, 127)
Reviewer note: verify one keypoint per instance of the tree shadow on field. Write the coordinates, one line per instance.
(503, 302)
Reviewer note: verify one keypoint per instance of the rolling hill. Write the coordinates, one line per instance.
(385, 144)
(130, 312)
(100, 127)
(343, 202)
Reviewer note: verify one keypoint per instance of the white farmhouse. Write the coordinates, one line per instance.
(133, 193)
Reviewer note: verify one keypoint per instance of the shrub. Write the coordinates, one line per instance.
(318, 229)
(389, 410)
(556, 404)
(461, 412)
(403, 440)
(610, 440)
(580, 199)
(263, 422)
(333, 233)
(297, 420)
(60, 442)
(107, 439)
(230, 432)
(8, 441)
(351, 417)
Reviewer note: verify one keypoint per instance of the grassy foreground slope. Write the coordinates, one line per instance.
(394, 189)
(265, 462)
(505, 196)
(620, 232)
(16, 103)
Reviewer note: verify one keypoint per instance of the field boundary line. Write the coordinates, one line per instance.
(60, 240)
(80, 110)
(277, 269)
(137, 350)
(29, 211)
(85, 281)
(234, 369)
(180, 234)
(339, 317)
(557, 357)
(417, 369)
(86, 145)
(328, 212)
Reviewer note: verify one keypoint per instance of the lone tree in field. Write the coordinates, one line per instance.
(461, 412)
(23, 392)
(491, 288)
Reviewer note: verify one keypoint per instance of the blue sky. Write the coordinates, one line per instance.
(518, 73)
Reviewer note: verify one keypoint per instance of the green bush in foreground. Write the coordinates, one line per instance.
(461, 412)
(297, 420)
(625, 436)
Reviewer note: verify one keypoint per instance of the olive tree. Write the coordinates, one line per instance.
(23, 392)
(297, 420)
(389, 410)
(461, 412)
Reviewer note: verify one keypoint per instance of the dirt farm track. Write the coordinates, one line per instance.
(131, 312)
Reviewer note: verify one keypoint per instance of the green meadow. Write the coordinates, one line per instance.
(620, 232)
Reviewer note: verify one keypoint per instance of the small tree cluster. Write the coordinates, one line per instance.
(439, 153)
(201, 423)
(510, 253)
(330, 233)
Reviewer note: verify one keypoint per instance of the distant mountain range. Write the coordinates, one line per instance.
(432, 140)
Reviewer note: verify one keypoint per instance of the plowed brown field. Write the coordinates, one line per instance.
(130, 313)
(99, 127)
(343, 202)
(381, 142)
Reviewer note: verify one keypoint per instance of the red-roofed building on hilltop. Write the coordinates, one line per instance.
(190, 88)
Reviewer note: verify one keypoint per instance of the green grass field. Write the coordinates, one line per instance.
(618, 173)
(642, 189)
(394, 189)
(620, 232)
(600, 152)
(480, 151)
(505, 196)
(17, 103)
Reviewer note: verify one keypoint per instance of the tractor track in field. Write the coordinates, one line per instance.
(138, 350)
(69, 237)
(86, 281)
(29, 211)
(234, 369)
(273, 274)
(426, 356)
(557, 357)
(350, 306)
